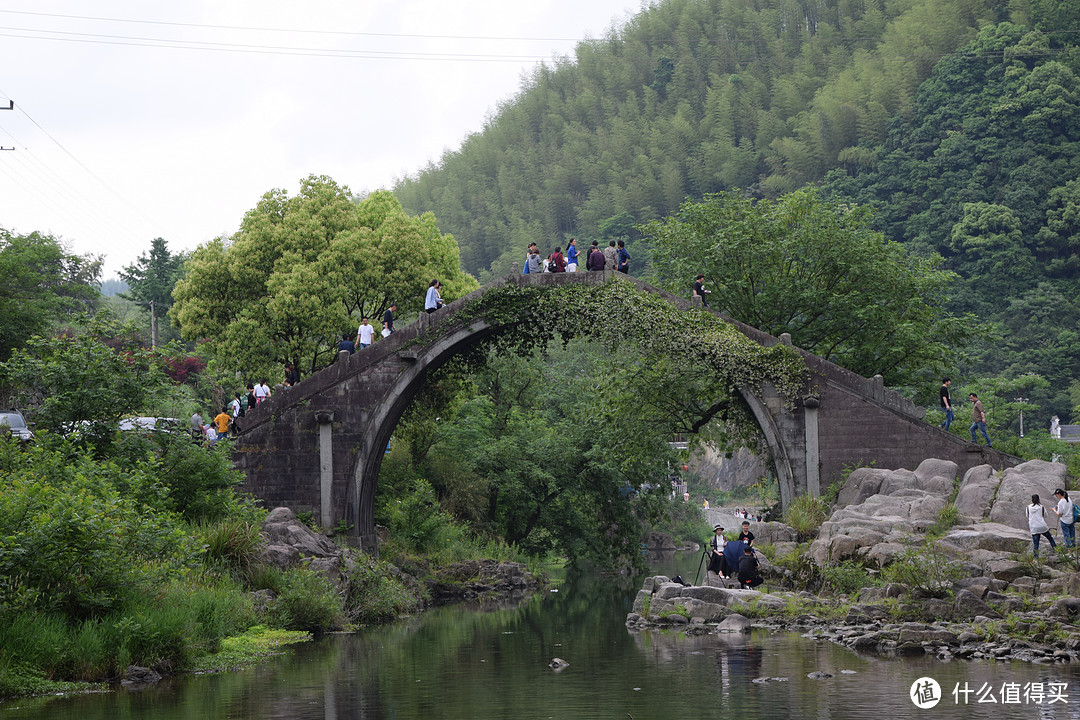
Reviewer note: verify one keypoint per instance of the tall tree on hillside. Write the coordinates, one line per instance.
(815, 269)
(302, 270)
(40, 282)
(151, 280)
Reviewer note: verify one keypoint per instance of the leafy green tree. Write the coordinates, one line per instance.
(151, 280)
(815, 269)
(40, 284)
(71, 382)
(302, 270)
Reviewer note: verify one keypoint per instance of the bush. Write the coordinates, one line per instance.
(684, 520)
(374, 594)
(419, 524)
(233, 543)
(805, 515)
(848, 577)
(927, 571)
(308, 602)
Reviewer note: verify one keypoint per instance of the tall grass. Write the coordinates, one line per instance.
(805, 515)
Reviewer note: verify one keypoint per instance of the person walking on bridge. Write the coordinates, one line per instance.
(978, 417)
(571, 256)
(946, 404)
(432, 302)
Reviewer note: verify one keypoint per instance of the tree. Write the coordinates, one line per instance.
(815, 269)
(302, 270)
(40, 283)
(151, 280)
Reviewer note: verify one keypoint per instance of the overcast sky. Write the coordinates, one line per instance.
(136, 120)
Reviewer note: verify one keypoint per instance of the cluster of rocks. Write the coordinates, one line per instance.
(1004, 604)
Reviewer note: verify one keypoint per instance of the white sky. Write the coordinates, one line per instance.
(126, 131)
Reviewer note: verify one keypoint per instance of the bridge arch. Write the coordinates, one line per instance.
(319, 446)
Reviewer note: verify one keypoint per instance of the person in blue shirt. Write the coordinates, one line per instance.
(528, 254)
(571, 256)
(623, 260)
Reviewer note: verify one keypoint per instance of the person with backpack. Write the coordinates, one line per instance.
(1067, 513)
(556, 261)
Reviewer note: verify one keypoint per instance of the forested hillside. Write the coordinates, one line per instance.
(957, 121)
(690, 97)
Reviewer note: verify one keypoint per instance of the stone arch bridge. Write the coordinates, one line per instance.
(318, 446)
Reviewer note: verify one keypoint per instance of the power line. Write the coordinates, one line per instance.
(293, 30)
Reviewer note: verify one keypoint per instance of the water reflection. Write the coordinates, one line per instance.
(464, 662)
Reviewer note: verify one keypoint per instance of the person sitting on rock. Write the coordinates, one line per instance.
(749, 577)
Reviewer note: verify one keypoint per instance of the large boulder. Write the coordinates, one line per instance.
(772, 533)
(860, 484)
(282, 528)
(936, 476)
(989, 536)
(976, 493)
(1018, 484)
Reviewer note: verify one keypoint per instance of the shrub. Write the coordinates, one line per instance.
(232, 543)
(805, 515)
(927, 571)
(374, 594)
(848, 577)
(309, 602)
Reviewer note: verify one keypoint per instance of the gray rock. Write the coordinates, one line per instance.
(1018, 484)
(1065, 608)
(991, 536)
(819, 675)
(669, 590)
(773, 532)
(699, 609)
(969, 605)
(977, 492)
(282, 528)
(861, 484)
(931, 472)
(282, 557)
(734, 623)
(136, 676)
(1007, 570)
(897, 480)
(884, 553)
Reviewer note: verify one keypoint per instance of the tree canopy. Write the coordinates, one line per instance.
(814, 269)
(303, 270)
(40, 283)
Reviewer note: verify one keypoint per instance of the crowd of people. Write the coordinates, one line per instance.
(735, 558)
(612, 257)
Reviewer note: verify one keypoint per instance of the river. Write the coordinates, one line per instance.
(465, 662)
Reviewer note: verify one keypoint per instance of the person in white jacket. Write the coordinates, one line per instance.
(1036, 515)
(1064, 511)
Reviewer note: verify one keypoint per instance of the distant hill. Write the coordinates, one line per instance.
(113, 286)
(689, 97)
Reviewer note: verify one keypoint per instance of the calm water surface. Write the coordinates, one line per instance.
(468, 662)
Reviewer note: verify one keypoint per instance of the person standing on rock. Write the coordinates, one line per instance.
(1064, 511)
(746, 536)
(1036, 515)
(717, 564)
(978, 417)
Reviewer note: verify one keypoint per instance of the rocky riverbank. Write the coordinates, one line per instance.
(973, 590)
(290, 543)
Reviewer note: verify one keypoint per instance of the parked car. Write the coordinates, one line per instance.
(149, 424)
(12, 421)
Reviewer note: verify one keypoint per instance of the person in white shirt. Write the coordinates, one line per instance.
(1064, 511)
(364, 334)
(262, 391)
(1036, 516)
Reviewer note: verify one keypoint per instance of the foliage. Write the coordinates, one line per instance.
(684, 520)
(78, 382)
(805, 572)
(685, 99)
(40, 284)
(151, 278)
(233, 543)
(805, 515)
(72, 541)
(256, 642)
(927, 570)
(848, 577)
(308, 602)
(375, 593)
(302, 270)
(815, 269)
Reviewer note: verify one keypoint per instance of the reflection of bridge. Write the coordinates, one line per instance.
(319, 446)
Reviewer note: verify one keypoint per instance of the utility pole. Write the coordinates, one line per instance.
(153, 338)
(1021, 400)
(11, 106)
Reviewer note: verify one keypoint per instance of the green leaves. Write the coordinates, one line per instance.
(816, 270)
(304, 270)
